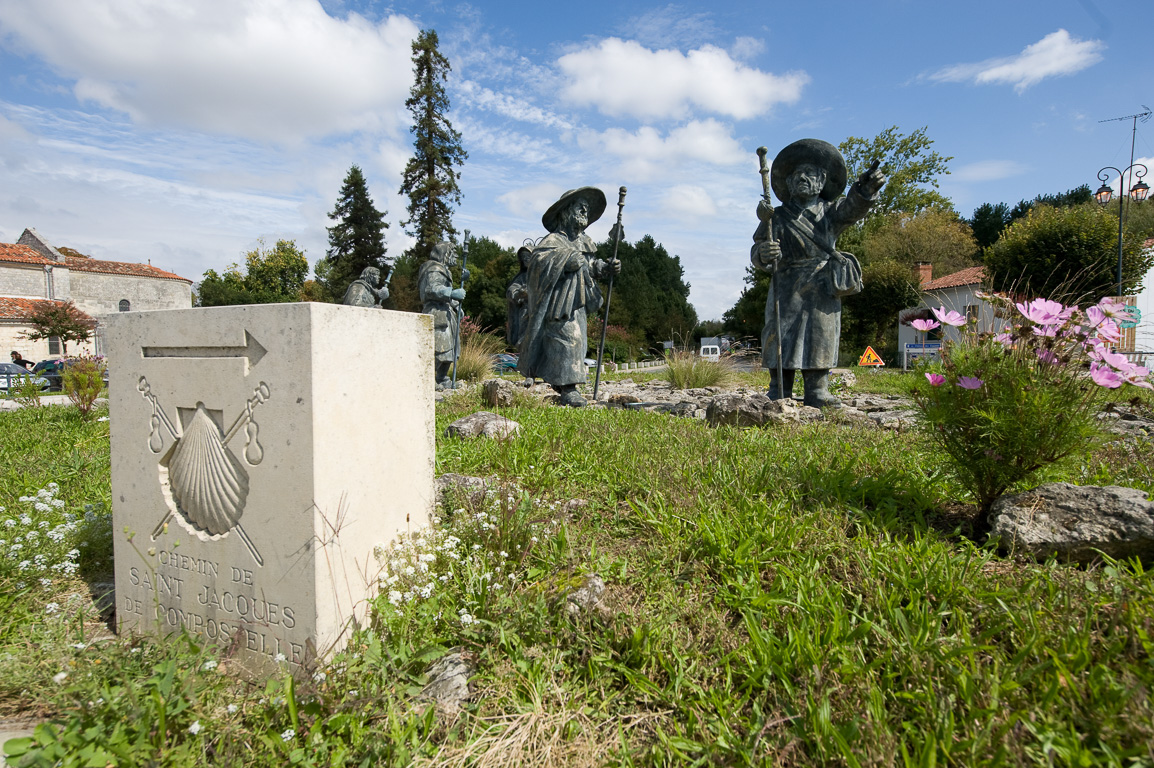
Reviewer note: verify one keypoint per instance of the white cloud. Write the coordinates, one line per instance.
(263, 69)
(671, 27)
(479, 97)
(645, 154)
(622, 78)
(532, 200)
(1056, 54)
(989, 170)
(687, 201)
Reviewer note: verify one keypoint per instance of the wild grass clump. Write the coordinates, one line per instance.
(475, 360)
(685, 370)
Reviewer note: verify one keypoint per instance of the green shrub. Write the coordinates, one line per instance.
(475, 359)
(83, 381)
(1002, 406)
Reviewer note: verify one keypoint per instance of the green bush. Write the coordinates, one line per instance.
(83, 381)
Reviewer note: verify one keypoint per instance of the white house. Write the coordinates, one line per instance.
(955, 292)
(33, 272)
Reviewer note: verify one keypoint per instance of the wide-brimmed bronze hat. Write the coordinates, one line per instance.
(592, 195)
(815, 152)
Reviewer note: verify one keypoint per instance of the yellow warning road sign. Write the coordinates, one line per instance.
(869, 357)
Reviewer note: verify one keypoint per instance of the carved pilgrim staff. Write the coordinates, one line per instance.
(609, 294)
(460, 312)
(761, 153)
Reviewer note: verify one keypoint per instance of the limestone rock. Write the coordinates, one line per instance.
(483, 424)
(623, 398)
(448, 679)
(1076, 523)
(499, 393)
(755, 411)
(586, 600)
(466, 489)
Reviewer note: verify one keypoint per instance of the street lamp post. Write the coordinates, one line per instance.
(1137, 193)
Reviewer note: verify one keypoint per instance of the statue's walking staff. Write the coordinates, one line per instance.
(609, 293)
(761, 153)
(460, 312)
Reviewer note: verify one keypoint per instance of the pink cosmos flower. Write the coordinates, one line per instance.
(1109, 331)
(1116, 360)
(1105, 376)
(925, 325)
(1139, 377)
(1047, 356)
(936, 379)
(949, 317)
(1111, 308)
(969, 382)
(1043, 312)
(1046, 330)
(1005, 339)
(1095, 316)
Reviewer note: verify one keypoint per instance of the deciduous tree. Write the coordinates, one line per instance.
(934, 235)
(430, 176)
(1063, 252)
(271, 276)
(912, 169)
(62, 320)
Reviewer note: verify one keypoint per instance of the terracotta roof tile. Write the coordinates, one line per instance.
(19, 309)
(22, 253)
(119, 268)
(968, 276)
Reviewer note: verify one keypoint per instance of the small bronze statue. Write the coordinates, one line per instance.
(799, 238)
(441, 300)
(561, 291)
(363, 291)
(517, 300)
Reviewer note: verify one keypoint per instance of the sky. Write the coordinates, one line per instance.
(184, 133)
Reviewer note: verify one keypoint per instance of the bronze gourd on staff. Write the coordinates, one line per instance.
(796, 242)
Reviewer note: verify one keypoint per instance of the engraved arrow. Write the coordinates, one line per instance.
(252, 351)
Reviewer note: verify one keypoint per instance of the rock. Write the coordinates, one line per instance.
(755, 411)
(448, 679)
(1076, 523)
(483, 424)
(623, 398)
(585, 601)
(499, 393)
(464, 488)
(842, 377)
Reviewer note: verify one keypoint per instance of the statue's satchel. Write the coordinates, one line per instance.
(843, 274)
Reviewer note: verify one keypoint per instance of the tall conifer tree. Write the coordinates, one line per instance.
(357, 240)
(430, 178)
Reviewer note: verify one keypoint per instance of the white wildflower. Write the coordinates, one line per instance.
(209, 665)
(466, 618)
(60, 677)
(52, 608)
(395, 597)
(232, 709)
(279, 658)
(194, 728)
(319, 677)
(288, 735)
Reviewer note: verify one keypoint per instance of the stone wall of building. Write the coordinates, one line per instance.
(23, 280)
(12, 339)
(100, 294)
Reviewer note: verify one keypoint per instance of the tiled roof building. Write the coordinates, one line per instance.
(33, 273)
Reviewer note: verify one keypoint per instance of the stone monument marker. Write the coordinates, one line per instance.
(252, 476)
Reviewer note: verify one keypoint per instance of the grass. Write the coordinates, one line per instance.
(801, 595)
(686, 370)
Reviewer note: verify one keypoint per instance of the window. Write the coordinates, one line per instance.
(125, 305)
(54, 345)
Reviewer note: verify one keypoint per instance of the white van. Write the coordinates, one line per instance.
(710, 352)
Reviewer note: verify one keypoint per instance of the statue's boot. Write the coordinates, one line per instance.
(570, 396)
(787, 373)
(817, 390)
(441, 376)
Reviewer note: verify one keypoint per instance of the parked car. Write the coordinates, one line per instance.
(53, 371)
(505, 362)
(10, 375)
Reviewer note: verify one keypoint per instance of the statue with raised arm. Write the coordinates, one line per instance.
(441, 300)
(809, 177)
(363, 292)
(562, 289)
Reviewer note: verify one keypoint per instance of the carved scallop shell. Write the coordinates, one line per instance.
(206, 481)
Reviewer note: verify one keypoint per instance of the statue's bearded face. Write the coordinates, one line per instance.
(806, 181)
(577, 215)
